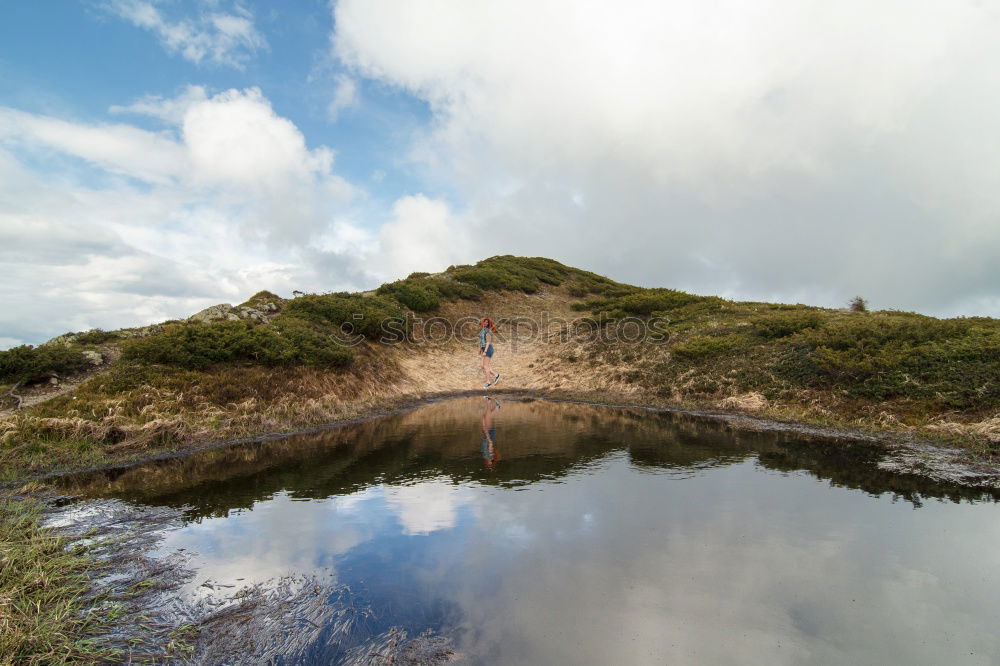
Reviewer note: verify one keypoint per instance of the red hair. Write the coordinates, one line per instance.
(486, 321)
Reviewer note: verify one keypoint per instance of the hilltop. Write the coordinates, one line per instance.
(275, 364)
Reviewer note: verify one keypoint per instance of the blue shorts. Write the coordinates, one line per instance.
(486, 445)
(489, 352)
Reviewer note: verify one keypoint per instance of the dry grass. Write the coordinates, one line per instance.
(987, 429)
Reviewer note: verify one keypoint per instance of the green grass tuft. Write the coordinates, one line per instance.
(44, 618)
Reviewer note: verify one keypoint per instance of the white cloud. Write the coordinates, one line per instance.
(171, 109)
(215, 207)
(785, 149)
(120, 149)
(423, 235)
(428, 506)
(216, 37)
(345, 95)
(226, 200)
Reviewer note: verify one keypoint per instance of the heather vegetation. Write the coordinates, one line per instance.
(198, 346)
(27, 363)
(855, 362)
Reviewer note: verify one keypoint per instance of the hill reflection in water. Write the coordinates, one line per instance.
(538, 440)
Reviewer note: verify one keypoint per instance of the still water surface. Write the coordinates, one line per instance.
(533, 532)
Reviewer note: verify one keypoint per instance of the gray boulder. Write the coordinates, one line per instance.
(95, 358)
(226, 312)
(220, 312)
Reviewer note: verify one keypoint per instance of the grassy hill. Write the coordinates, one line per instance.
(274, 364)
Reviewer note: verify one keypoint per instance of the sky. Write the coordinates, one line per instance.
(161, 156)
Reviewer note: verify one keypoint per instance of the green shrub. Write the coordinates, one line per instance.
(869, 331)
(262, 297)
(197, 346)
(96, 336)
(417, 274)
(310, 346)
(783, 324)
(492, 279)
(705, 346)
(413, 294)
(858, 304)
(351, 312)
(625, 300)
(885, 355)
(450, 289)
(27, 363)
(592, 283)
(652, 300)
(509, 273)
(424, 294)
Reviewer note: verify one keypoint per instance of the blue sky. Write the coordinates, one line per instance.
(77, 59)
(160, 156)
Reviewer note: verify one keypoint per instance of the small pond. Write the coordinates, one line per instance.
(515, 531)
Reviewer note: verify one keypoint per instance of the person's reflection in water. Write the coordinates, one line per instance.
(490, 455)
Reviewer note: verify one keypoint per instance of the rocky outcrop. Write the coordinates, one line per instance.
(220, 312)
(261, 314)
(121, 334)
(94, 358)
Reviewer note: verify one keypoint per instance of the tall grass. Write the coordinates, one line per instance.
(45, 617)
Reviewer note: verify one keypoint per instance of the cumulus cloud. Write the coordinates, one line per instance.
(111, 225)
(787, 150)
(426, 507)
(423, 234)
(221, 38)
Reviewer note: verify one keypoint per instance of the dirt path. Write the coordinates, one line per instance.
(39, 393)
(533, 351)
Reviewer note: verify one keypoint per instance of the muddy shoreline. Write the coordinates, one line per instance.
(902, 453)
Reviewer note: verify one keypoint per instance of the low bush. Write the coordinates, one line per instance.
(652, 300)
(492, 279)
(954, 362)
(351, 313)
(413, 294)
(423, 294)
(869, 331)
(262, 297)
(784, 323)
(450, 289)
(509, 273)
(636, 301)
(27, 363)
(197, 346)
(706, 346)
(96, 336)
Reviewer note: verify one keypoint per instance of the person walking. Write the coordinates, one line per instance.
(486, 329)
